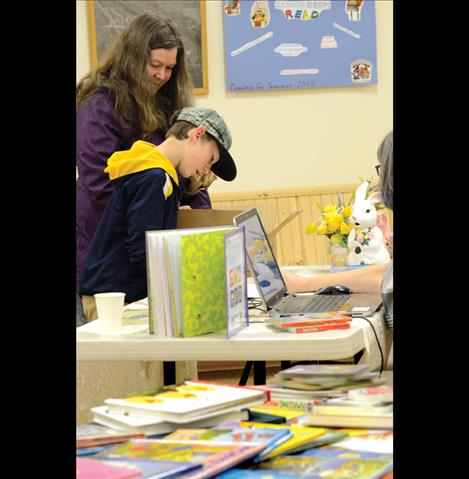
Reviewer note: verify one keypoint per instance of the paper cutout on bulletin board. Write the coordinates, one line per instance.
(290, 44)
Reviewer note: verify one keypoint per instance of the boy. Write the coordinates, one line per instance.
(146, 198)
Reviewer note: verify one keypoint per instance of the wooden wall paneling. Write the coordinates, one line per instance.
(290, 234)
(292, 245)
(304, 219)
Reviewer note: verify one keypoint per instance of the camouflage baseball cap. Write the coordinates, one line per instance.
(225, 167)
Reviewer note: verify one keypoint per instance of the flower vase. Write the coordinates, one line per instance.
(338, 254)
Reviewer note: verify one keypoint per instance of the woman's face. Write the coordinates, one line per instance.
(160, 66)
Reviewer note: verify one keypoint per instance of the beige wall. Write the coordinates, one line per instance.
(292, 138)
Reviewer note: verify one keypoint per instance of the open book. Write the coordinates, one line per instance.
(196, 281)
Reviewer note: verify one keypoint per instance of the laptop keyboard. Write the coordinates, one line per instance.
(317, 304)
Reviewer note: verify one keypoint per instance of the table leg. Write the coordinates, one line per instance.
(245, 375)
(357, 356)
(259, 372)
(285, 365)
(169, 373)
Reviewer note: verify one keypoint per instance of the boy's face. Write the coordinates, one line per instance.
(200, 153)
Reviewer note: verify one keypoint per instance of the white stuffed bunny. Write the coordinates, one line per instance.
(365, 242)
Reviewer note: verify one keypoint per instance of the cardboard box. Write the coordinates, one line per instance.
(188, 218)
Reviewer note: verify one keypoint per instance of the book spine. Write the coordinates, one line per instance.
(350, 411)
(295, 404)
(310, 322)
(313, 329)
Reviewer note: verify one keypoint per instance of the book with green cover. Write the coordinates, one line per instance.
(196, 281)
(203, 283)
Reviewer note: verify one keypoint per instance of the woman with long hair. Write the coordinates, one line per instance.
(129, 96)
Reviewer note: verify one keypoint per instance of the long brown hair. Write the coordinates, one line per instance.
(124, 70)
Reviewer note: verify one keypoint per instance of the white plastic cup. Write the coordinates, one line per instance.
(110, 308)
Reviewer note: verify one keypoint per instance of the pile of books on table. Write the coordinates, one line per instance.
(165, 409)
(225, 447)
(335, 395)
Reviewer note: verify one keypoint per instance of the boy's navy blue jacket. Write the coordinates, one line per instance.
(145, 198)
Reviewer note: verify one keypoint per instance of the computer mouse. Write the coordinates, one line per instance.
(335, 289)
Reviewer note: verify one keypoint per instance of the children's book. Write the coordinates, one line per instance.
(284, 321)
(93, 469)
(380, 441)
(301, 435)
(313, 328)
(215, 456)
(278, 392)
(95, 435)
(257, 416)
(320, 467)
(377, 393)
(378, 421)
(193, 400)
(339, 410)
(285, 412)
(306, 383)
(152, 426)
(328, 370)
(268, 436)
(255, 474)
(330, 437)
(345, 401)
(340, 453)
(302, 405)
(91, 451)
(196, 281)
(150, 469)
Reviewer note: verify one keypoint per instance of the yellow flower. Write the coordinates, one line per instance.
(333, 221)
(330, 209)
(345, 228)
(311, 228)
(336, 239)
(322, 229)
(347, 211)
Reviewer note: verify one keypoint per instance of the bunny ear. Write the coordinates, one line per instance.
(360, 192)
(374, 198)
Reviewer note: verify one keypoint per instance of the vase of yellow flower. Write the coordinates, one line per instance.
(335, 224)
(338, 254)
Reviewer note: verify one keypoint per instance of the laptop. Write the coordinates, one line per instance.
(271, 286)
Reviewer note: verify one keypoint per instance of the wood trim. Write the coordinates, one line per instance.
(92, 35)
(284, 192)
(203, 40)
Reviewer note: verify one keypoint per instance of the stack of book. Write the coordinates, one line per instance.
(309, 323)
(326, 379)
(165, 409)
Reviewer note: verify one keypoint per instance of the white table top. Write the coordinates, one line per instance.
(258, 342)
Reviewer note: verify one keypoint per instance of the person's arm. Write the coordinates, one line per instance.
(98, 136)
(194, 190)
(366, 279)
(145, 212)
(200, 200)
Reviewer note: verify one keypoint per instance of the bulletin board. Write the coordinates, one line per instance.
(283, 44)
(107, 20)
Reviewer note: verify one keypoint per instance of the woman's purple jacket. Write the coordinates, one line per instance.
(98, 135)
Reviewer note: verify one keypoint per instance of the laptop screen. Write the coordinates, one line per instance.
(261, 258)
